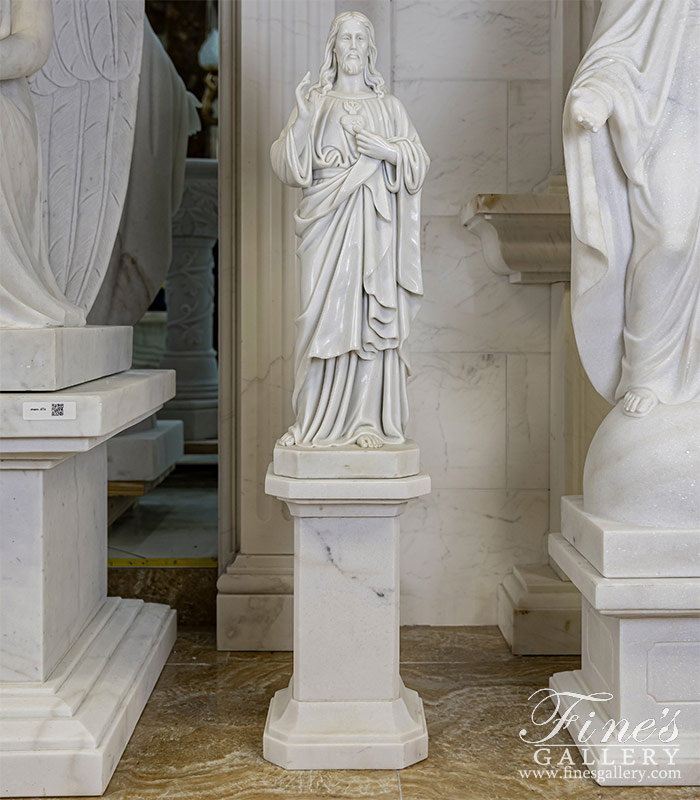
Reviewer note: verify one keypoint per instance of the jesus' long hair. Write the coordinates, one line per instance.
(329, 69)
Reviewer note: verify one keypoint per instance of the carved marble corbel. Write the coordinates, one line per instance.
(526, 237)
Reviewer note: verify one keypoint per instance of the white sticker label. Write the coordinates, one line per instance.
(50, 409)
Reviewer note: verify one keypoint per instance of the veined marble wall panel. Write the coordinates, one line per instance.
(529, 152)
(456, 547)
(458, 416)
(476, 78)
(493, 39)
(464, 127)
(466, 308)
(527, 414)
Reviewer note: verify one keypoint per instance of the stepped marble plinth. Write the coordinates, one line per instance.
(346, 706)
(640, 644)
(76, 667)
(538, 612)
(43, 359)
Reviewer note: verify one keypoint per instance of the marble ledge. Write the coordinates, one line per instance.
(626, 596)
(526, 237)
(93, 412)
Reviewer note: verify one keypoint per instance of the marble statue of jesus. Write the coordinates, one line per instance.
(351, 148)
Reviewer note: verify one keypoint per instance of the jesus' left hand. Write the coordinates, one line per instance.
(375, 146)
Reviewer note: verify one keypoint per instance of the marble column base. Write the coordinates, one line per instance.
(388, 734)
(640, 644)
(346, 706)
(65, 735)
(146, 451)
(539, 613)
(255, 603)
(44, 359)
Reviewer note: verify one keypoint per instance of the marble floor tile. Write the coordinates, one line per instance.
(200, 735)
(191, 591)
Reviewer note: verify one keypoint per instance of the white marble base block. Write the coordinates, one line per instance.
(350, 461)
(539, 613)
(146, 451)
(76, 667)
(641, 644)
(44, 359)
(623, 550)
(346, 706)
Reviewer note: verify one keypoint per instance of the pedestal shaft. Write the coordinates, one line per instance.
(53, 564)
(346, 609)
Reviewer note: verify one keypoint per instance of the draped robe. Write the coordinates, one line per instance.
(29, 294)
(359, 251)
(635, 202)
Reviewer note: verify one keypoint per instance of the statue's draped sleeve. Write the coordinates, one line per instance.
(631, 62)
(291, 166)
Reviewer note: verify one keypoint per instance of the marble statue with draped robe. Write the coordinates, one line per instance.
(30, 296)
(632, 142)
(350, 146)
(632, 146)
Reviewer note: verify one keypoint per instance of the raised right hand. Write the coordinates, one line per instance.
(305, 105)
(590, 108)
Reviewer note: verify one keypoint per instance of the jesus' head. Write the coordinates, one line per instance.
(351, 48)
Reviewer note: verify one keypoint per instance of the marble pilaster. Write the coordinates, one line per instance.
(278, 41)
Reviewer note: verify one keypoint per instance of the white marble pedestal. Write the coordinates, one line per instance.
(346, 706)
(640, 643)
(76, 667)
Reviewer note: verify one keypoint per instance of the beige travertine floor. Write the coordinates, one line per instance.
(200, 734)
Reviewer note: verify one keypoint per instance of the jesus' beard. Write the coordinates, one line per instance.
(351, 64)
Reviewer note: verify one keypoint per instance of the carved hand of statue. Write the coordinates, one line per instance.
(305, 101)
(375, 146)
(590, 108)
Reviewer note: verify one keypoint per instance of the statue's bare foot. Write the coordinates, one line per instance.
(369, 441)
(287, 440)
(638, 402)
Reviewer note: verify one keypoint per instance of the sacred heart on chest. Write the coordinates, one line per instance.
(353, 121)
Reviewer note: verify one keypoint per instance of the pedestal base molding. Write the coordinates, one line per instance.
(388, 734)
(65, 735)
(255, 603)
(539, 613)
